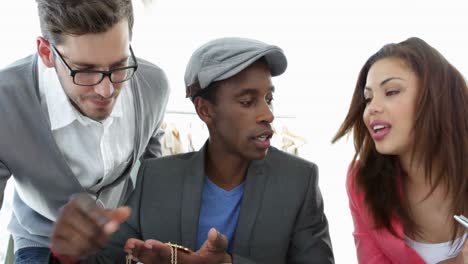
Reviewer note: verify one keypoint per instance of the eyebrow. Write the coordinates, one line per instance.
(382, 83)
(253, 91)
(89, 66)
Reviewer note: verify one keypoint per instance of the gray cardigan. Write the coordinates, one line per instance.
(28, 152)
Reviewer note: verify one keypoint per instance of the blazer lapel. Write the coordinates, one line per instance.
(191, 199)
(256, 181)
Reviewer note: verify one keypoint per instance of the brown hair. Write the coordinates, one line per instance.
(78, 17)
(440, 128)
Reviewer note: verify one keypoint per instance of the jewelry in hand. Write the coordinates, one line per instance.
(174, 248)
(128, 258)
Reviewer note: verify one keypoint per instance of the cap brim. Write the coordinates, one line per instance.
(277, 62)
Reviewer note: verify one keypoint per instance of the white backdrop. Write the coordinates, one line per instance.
(326, 43)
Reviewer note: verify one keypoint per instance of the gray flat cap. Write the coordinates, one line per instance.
(223, 58)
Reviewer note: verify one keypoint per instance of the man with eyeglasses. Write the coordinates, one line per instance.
(76, 118)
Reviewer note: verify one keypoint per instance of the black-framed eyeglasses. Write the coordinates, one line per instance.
(94, 77)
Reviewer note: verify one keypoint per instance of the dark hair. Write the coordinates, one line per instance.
(78, 17)
(440, 127)
(209, 93)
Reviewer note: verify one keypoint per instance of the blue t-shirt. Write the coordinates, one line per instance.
(219, 209)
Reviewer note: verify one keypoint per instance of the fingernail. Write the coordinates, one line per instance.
(110, 227)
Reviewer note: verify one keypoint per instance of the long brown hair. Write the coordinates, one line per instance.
(79, 17)
(440, 130)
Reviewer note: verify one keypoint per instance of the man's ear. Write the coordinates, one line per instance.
(45, 52)
(204, 109)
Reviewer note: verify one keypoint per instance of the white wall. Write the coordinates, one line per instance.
(326, 43)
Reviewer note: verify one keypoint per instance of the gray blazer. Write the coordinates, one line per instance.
(281, 217)
(28, 152)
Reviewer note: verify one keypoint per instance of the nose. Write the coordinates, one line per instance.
(105, 88)
(265, 114)
(374, 106)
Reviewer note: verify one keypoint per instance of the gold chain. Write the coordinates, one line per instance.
(174, 248)
(173, 255)
(128, 258)
(186, 250)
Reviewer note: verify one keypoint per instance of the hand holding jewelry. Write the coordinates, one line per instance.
(213, 251)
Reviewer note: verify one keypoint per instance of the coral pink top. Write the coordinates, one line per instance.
(376, 246)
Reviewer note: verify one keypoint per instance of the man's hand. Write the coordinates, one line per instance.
(213, 251)
(151, 251)
(83, 227)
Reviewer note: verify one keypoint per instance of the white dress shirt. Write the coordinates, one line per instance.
(96, 152)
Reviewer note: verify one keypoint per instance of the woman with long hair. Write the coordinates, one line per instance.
(409, 175)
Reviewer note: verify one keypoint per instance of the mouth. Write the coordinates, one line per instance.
(262, 141)
(101, 103)
(377, 128)
(380, 129)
